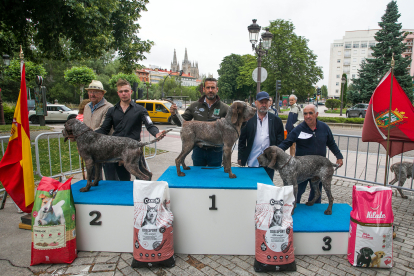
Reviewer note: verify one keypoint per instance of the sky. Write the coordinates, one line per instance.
(211, 30)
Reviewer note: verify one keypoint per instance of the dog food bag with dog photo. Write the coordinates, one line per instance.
(153, 225)
(274, 229)
(53, 223)
(370, 232)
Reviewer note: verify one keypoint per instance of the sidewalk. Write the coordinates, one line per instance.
(15, 243)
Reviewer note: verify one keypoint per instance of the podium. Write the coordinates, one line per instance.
(213, 214)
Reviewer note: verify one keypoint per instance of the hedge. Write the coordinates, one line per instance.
(338, 120)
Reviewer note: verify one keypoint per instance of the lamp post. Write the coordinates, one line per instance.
(343, 80)
(262, 48)
(6, 61)
(148, 86)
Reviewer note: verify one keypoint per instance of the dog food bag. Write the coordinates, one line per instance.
(370, 231)
(53, 223)
(274, 229)
(153, 225)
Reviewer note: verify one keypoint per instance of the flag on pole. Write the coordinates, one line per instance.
(376, 122)
(16, 168)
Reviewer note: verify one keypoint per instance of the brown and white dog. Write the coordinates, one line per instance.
(223, 132)
(50, 214)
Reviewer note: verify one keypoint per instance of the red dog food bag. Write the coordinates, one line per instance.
(53, 223)
(274, 229)
(370, 241)
(153, 225)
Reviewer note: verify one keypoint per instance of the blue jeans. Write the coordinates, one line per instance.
(211, 157)
(302, 189)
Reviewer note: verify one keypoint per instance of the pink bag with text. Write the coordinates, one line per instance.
(370, 241)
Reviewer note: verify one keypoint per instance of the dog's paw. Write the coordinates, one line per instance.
(186, 168)
(84, 189)
(328, 212)
(231, 175)
(95, 183)
(309, 203)
(181, 174)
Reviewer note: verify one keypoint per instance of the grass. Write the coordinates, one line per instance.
(336, 111)
(52, 167)
(7, 128)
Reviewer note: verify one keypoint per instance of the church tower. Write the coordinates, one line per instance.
(175, 66)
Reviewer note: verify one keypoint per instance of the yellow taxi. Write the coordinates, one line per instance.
(159, 111)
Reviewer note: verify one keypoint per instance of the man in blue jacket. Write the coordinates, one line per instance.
(263, 130)
(311, 138)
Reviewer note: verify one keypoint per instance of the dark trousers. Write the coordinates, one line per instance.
(123, 174)
(211, 157)
(270, 172)
(302, 189)
(109, 170)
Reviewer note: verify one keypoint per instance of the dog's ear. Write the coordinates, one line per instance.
(42, 196)
(234, 115)
(271, 155)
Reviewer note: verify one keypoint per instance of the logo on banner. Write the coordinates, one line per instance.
(374, 215)
(397, 118)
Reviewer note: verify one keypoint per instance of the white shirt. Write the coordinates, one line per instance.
(261, 141)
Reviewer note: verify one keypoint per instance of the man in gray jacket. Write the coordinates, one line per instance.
(94, 115)
(295, 117)
(207, 108)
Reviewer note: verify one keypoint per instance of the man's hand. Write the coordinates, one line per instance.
(160, 134)
(173, 109)
(339, 162)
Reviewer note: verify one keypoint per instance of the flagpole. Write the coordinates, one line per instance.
(389, 122)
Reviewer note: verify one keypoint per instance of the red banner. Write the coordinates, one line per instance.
(377, 120)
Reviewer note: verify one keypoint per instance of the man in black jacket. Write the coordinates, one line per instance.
(263, 130)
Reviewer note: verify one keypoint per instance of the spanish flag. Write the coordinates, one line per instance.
(16, 168)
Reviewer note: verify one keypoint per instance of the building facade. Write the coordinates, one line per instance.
(143, 75)
(346, 55)
(187, 67)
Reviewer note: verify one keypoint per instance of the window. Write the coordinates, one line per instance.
(52, 108)
(339, 53)
(337, 84)
(355, 52)
(338, 61)
(371, 44)
(364, 44)
(149, 106)
(353, 67)
(362, 52)
(337, 91)
(141, 104)
(354, 60)
(160, 108)
(337, 76)
(348, 45)
(338, 68)
(353, 76)
(355, 45)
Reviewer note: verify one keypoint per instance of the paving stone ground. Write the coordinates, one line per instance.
(118, 264)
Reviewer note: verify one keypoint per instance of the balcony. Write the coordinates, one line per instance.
(347, 63)
(409, 43)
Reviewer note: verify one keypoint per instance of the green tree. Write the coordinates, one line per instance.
(131, 78)
(332, 103)
(324, 90)
(345, 88)
(71, 30)
(245, 83)
(390, 41)
(290, 60)
(228, 73)
(353, 95)
(12, 77)
(80, 76)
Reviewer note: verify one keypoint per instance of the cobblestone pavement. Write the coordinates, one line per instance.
(109, 263)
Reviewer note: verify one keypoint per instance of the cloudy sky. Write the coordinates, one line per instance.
(211, 30)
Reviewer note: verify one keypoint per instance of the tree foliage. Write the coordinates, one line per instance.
(80, 76)
(332, 103)
(290, 60)
(228, 73)
(324, 91)
(390, 41)
(245, 83)
(344, 89)
(131, 78)
(72, 30)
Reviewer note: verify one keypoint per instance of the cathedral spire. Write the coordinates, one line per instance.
(185, 56)
(175, 58)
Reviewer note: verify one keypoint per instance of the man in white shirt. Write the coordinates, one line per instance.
(263, 130)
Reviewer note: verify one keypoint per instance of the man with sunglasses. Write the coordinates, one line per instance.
(126, 118)
(311, 138)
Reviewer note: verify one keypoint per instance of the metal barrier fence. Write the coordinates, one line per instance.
(55, 158)
(365, 161)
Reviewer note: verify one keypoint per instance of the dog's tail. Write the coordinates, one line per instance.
(176, 113)
(142, 144)
(336, 166)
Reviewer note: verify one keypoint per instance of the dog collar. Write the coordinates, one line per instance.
(286, 163)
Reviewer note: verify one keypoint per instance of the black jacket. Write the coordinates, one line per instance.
(309, 142)
(128, 124)
(246, 140)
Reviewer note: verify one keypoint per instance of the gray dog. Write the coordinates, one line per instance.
(223, 132)
(294, 170)
(406, 172)
(96, 148)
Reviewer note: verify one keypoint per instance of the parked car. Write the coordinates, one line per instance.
(358, 110)
(55, 113)
(321, 103)
(159, 111)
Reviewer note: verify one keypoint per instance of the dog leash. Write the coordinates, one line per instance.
(286, 163)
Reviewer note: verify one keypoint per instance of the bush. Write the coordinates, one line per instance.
(8, 113)
(337, 120)
(332, 103)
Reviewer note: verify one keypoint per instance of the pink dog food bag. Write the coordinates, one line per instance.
(53, 223)
(370, 240)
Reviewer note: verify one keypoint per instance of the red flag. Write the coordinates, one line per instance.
(376, 122)
(16, 167)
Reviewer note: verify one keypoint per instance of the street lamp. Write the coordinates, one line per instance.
(6, 61)
(343, 80)
(262, 48)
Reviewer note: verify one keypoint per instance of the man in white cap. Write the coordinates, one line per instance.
(94, 115)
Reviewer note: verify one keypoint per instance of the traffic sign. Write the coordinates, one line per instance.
(263, 74)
